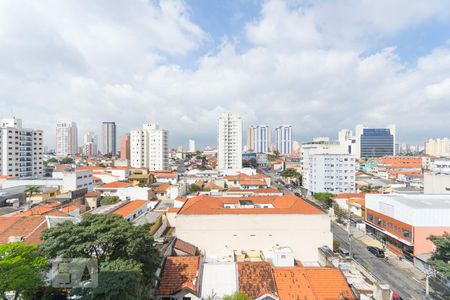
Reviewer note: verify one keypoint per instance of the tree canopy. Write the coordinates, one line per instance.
(370, 188)
(290, 173)
(324, 198)
(125, 253)
(194, 188)
(67, 160)
(109, 200)
(237, 296)
(21, 269)
(441, 257)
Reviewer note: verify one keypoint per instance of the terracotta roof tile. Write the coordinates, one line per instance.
(162, 188)
(27, 227)
(286, 204)
(320, 279)
(92, 194)
(179, 273)
(130, 207)
(114, 185)
(185, 247)
(252, 182)
(43, 209)
(256, 279)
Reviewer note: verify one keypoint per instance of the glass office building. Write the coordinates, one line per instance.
(377, 142)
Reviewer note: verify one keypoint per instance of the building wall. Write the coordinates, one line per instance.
(109, 136)
(229, 141)
(149, 148)
(220, 234)
(283, 139)
(421, 234)
(66, 138)
(436, 183)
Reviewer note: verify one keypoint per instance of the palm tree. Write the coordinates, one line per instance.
(30, 191)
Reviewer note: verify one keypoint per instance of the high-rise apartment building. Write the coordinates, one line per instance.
(283, 139)
(21, 150)
(66, 138)
(375, 142)
(250, 138)
(109, 136)
(90, 144)
(331, 173)
(229, 142)
(438, 147)
(261, 138)
(125, 147)
(149, 148)
(191, 145)
(347, 140)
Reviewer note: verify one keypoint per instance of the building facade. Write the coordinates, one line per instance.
(21, 150)
(109, 136)
(250, 138)
(331, 173)
(283, 139)
(191, 146)
(125, 147)
(405, 221)
(149, 148)
(347, 140)
(229, 141)
(375, 142)
(90, 144)
(66, 138)
(438, 147)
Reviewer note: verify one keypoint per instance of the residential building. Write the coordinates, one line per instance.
(405, 221)
(132, 209)
(250, 139)
(314, 148)
(125, 147)
(262, 139)
(221, 225)
(229, 141)
(109, 136)
(283, 139)
(375, 142)
(331, 173)
(149, 147)
(438, 147)
(66, 138)
(191, 146)
(90, 144)
(347, 140)
(20, 150)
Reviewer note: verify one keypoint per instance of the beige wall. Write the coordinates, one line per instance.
(220, 234)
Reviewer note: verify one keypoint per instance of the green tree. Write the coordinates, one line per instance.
(193, 188)
(67, 161)
(109, 200)
(370, 189)
(251, 163)
(30, 191)
(325, 198)
(237, 296)
(336, 244)
(339, 213)
(276, 153)
(290, 173)
(21, 270)
(440, 259)
(125, 253)
(53, 160)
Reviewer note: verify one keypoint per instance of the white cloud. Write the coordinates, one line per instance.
(94, 61)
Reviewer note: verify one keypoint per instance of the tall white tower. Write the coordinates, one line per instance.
(66, 138)
(283, 139)
(229, 141)
(109, 138)
(149, 147)
(191, 147)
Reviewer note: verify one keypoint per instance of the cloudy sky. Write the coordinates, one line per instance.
(317, 65)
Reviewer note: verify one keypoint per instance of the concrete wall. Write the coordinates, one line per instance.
(220, 234)
(436, 183)
(421, 243)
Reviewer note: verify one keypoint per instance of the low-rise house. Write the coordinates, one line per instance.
(182, 248)
(132, 209)
(92, 200)
(162, 191)
(356, 202)
(165, 177)
(179, 278)
(124, 190)
(73, 210)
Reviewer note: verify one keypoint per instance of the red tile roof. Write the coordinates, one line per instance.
(268, 190)
(130, 207)
(114, 185)
(27, 227)
(179, 273)
(185, 247)
(286, 204)
(252, 182)
(256, 279)
(44, 209)
(92, 194)
(162, 188)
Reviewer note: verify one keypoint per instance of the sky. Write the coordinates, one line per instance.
(319, 66)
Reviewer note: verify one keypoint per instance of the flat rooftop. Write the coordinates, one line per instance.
(424, 201)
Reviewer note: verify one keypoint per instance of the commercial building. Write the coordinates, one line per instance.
(109, 136)
(20, 150)
(221, 225)
(375, 142)
(229, 141)
(125, 147)
(405, 221)
(66, 138)
(438, 147)
(191, 146)
(283, 139)
(440, 166)
(436, 183)
(331, 173)
(149, 147)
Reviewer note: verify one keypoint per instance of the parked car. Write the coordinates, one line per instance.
(297, 194)
(343, 252)
(376, 251)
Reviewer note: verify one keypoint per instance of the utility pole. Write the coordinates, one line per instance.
(349, 232)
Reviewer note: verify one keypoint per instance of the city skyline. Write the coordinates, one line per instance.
(374, 68)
